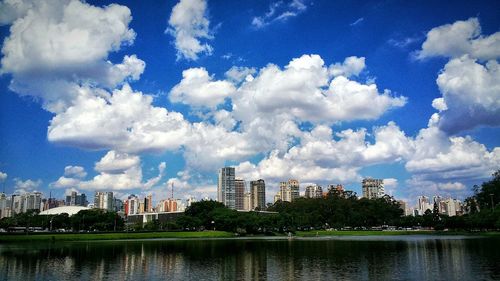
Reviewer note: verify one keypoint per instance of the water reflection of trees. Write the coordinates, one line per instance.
(252, 260)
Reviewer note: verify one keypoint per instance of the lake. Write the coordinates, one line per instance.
(416, 257)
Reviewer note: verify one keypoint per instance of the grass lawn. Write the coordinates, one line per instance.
(111, 236)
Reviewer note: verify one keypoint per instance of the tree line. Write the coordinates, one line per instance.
(338, 209)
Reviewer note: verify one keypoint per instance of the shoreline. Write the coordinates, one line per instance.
(44, 237)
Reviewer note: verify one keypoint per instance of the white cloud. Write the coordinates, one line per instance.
(439, 104)
(63, 34)
(451, 186)
(470, 81)
(115, 162)
(10, 10)
(154, 181)
(320, 158)
(59, 45)
(471, 94)
(267, 108)
(198, 89)
(299, 90)
(24, 186)
(238, 74)
(124, 121)
(460, 38)
(117, 171)
(390, 185)
(189, 24)
(352, 66)
(418, 186)
(65, 182)
(439, 157)
(279, 12)
(357, 22)
(3, 176)
(75, 171)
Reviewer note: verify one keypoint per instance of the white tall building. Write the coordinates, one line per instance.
(289, 191)
(132, 205)
(314, 191)
(226, 193)
(373, 188)
(423, 205)
(104, 200)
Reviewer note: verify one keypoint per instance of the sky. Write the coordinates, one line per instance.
(134, 96)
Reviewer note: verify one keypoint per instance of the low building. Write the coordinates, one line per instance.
(70, 210)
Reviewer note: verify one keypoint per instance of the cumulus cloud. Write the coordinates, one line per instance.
(279, 12)
(115, 162)
(24, 186)
(61, 44)
(117, 171)
(301, 91)
(197, 88)
(189, 25)
(238, 74)
(390, 185)
(319, 157)
(443, 158)
(471, 94)
(418, 186)
(124, 121)
(3, 176)
(75, 171)
(352, 66)
(458, 39)
(469, 82)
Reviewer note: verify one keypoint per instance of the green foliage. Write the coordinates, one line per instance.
(486, 196)
(85, 220)
(338, 209)
(96, 220)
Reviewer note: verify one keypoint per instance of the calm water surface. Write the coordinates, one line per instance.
(325, 258)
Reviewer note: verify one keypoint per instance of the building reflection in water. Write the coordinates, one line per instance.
(239, 259)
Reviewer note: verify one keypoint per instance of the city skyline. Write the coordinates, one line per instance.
(130, 99)
(252, 198)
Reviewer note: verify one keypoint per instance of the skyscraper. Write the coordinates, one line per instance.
(373, 188)
(103, 200)
(294, 189)
(258, 194)
(226, 193)
(239, 186)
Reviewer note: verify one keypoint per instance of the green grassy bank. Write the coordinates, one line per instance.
(5, 238)
(111, 236)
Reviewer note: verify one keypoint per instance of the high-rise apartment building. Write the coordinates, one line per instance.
(258, 194)
(289, 191)
(131, 205)
(314, 191)
(423, 205)
(226, 193)
(373, 188)
(247, 201)
(148, 204)
(239, 187)
(75, 199)
(104, 200)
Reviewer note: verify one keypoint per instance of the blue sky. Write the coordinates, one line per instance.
(131, 97)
